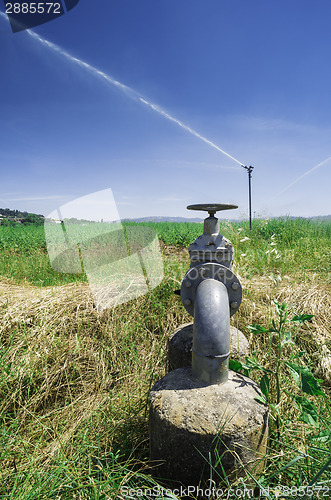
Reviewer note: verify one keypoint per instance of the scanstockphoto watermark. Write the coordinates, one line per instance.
(249, 255)
(213, 493)
(121, 262)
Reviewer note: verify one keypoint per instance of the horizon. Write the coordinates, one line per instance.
(157, 103)
(185, 219)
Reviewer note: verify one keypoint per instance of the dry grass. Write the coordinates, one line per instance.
(72, 373)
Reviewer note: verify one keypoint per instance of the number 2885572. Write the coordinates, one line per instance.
(33, 8)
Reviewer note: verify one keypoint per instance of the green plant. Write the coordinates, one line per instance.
(280, 331)
(277, 375)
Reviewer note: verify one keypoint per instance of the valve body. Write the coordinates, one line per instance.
(211, 293)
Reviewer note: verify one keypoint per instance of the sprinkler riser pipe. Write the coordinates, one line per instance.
(211, 332)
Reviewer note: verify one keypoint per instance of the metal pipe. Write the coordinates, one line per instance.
(249, 170)
(250, 196)
(211, 332)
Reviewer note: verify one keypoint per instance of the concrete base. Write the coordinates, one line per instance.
(180, 346)
(192, 423)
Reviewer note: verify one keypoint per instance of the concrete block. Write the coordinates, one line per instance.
(180, 346)
(192, 423)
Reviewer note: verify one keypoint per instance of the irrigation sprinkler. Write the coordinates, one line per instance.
(249, 170)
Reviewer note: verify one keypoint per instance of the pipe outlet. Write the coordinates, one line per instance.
(211, 332)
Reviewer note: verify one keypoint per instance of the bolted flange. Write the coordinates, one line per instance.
(210, 270)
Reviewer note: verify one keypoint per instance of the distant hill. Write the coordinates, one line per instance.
(8, 216)
(19, 216)
(321, 217)
(164, 219)
(7, 212)
(197, 219)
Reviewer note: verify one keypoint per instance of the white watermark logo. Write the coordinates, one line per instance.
(121, 262)
(213, 493)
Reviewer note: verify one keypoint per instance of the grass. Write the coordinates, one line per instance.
(74, 382)
(277, 246)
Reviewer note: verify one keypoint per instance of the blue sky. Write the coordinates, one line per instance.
(254, 78)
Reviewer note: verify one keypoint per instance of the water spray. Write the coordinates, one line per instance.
(131, 93)
(186, 127)
(302, 176)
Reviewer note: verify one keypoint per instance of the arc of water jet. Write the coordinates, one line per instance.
(133, 94)
(83, 64)
(303, 175)
(189, 129)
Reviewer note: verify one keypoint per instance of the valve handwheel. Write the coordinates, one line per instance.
(211, 208)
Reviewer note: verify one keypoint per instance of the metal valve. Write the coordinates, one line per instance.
(211, 246)
(211, 293)
(211, 258)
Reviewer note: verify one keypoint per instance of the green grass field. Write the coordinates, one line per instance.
(74, 382)
(278, 246)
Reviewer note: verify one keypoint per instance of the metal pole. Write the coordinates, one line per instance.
(249, 170)
(250, 196)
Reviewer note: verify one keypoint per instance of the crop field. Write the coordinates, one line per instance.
(75, 382)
